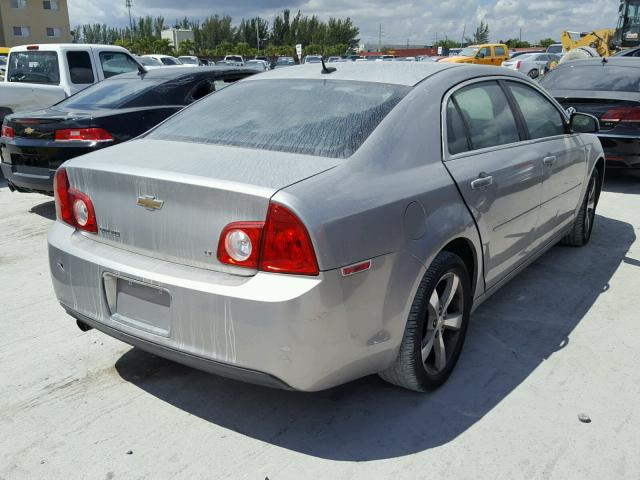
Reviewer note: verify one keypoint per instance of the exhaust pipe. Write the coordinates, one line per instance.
(83, 326)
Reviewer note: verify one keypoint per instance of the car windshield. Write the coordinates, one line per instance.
(554, 49)
(34, 67)
(188, 60)
(313, 60)
(233, 58)
(284, 60)
(255, 65)
(108, 94)
(593, 77)
(149, 62)
(170, 61)
(330, 118)
(468, 52)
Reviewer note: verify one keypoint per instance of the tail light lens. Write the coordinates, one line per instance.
(518, 63)
(240, 244)
(622, 114)
(7, 132)
(83, 135)
(72, 206)
(281, 244)
(286, 245)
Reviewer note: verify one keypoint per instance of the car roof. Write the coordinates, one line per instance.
(616, 61)
(176, 72)
(399, 73)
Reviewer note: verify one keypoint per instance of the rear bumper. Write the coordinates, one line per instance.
(30, 165)
(621, 151)
(304, 333)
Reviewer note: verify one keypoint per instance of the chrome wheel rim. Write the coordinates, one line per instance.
(591, 206)
(445, 314)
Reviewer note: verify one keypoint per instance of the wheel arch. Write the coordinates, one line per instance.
(463, 248)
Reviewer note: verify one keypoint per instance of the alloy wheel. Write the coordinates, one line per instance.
(443, 324)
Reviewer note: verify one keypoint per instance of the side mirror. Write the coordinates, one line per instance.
(481, 55)
(584, 123)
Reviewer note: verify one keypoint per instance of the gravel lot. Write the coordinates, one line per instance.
(561, 340)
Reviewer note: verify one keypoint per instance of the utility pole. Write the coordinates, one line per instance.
(129, 4)
(258, 35)
(464, 31)
(521, 34)
(380, 34)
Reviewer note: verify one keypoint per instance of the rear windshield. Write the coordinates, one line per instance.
(593, 77)
(329, 118)
(34, 67)
(108, 94)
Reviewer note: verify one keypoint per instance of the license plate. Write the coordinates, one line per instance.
(139, 305)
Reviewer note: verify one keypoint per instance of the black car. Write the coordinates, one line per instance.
(34, 144)
(609, 89)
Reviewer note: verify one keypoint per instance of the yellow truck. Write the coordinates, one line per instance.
(486, 54)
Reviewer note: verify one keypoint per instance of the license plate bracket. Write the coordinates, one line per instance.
(138, 304)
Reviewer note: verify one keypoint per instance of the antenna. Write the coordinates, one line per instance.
(325, 69)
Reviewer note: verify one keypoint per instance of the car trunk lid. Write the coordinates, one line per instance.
(597, 103)
(171, 200)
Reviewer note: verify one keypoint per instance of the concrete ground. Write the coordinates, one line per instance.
(562, 339)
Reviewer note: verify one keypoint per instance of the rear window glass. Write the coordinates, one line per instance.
(34, 67)
(330, 118)
(593, 77)
(108, 94)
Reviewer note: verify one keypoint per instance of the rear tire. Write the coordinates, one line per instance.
(583, 224)
(436, 327)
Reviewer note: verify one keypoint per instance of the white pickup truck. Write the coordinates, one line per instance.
(37, 76)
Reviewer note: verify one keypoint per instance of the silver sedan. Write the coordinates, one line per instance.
(306, 227)
(531, 64)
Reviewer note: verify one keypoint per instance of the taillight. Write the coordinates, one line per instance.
(73, 206)
(240, 244)
(83, 135)
(622, 114)
(518, 63)
(280, 245)
(286, 245)
(7, 131)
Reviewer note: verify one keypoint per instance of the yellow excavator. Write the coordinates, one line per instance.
(603, 43)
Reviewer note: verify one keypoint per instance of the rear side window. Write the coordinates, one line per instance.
(593, 77)
(329, 118)
(486, 51)
(115, 63)
(488, 115)
(456, 131)
(540, 116)
(500, 52)
(80, 69)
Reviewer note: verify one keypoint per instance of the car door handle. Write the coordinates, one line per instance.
(549, 161)
(482, 182)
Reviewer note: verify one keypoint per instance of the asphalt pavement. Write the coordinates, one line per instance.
(561, 341)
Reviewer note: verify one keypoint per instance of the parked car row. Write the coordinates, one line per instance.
(285, 222)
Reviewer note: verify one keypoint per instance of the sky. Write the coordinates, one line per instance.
(418, 22)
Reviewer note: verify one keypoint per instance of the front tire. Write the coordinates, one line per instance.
(436, 327)
(533, 74)
(583, 224)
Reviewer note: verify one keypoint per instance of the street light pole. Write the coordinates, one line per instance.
(129, 4)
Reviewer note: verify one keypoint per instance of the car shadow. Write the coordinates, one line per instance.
(516, 330)
(622, 181)
(46, 210)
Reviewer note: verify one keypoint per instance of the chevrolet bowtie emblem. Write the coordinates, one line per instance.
(29, 130)
(150, 202)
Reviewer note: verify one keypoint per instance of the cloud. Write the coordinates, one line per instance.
(419, 22)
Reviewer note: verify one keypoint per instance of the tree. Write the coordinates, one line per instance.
(446, 44)
(187, 47)
(546, 42)
(481, 34)
(516, 43)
